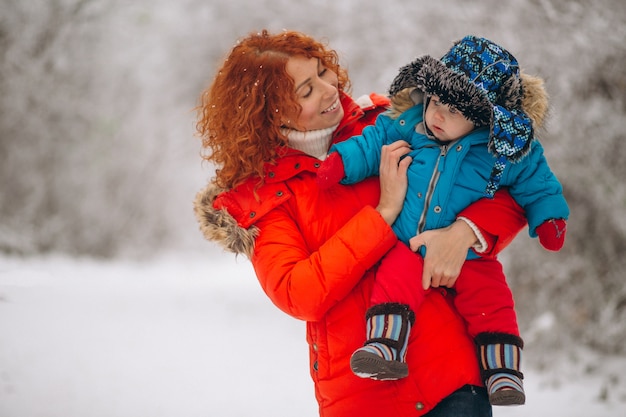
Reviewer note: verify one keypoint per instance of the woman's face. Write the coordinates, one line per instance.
(445, 122)
(317, 93)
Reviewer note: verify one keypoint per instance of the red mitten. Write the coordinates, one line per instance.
(331, 171)
(552, 234)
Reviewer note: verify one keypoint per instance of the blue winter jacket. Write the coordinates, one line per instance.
(443, 179)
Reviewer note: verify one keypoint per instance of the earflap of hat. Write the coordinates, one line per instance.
(510, 139)
(511, 134)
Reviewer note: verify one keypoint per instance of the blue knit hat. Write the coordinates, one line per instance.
(482, 80)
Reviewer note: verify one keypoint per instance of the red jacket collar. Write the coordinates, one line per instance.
(293, 161)
(352, 112)
(247, 202)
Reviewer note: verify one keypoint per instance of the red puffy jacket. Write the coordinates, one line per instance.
(314, 252)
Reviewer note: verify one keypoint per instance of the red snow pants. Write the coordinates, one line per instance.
(482, 298)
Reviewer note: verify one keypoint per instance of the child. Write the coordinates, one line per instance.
(469, 120)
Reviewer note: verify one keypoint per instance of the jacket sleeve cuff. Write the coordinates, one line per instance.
(482, 245)
(499, 219)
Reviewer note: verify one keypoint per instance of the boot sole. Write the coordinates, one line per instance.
(370, 365)
(507, 397)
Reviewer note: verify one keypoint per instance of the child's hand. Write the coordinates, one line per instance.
(331, 171)
(552, 234)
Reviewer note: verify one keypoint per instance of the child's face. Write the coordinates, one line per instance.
(445, 122)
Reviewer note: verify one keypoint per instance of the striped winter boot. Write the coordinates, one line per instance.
(500, 355)
(382, 356)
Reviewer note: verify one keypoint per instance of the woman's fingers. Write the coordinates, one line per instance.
(393, 181)
(445, 255)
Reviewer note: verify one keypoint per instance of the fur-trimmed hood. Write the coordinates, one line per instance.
(219, 226)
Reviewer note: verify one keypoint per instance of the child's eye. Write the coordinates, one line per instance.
(323, 71)
(453, 110)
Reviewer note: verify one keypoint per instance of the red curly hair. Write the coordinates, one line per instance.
(240, 114)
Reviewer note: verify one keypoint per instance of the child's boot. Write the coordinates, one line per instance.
(382, 356)
(500, 355)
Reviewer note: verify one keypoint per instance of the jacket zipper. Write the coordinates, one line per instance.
(432, 185)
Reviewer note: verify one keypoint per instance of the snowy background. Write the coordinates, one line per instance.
(187, 336)
(111, 304)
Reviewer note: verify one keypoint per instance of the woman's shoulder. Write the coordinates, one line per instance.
(359, 113)
(372, 101)
(365, 105)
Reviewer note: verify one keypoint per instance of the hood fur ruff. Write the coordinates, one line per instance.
(220, 227)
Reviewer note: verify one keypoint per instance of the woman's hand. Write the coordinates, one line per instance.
(446, 250)
(393, 181)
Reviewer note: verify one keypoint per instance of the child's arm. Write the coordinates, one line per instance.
(356, 158)
(539, 191)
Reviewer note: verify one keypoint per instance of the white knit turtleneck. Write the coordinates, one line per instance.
(311, 142)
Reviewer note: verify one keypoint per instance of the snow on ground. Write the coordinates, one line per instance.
(188, 336)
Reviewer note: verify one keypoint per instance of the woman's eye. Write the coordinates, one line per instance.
(308, 93)
(323, 71)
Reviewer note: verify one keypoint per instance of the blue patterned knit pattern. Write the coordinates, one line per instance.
(486, 64)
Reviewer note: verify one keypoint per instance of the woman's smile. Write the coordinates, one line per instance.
(334, 106)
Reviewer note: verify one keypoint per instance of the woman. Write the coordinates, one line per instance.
(274, 108)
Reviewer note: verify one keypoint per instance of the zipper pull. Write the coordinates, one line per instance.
(442, 157)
